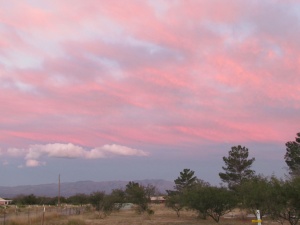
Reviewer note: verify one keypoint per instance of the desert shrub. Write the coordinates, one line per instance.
(150, 211)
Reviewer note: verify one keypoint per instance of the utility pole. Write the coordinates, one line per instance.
(58, 201)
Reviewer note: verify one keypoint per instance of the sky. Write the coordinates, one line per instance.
(141, 89)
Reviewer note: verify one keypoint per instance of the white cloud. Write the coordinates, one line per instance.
(123, 150)
(34, 163)
(95, 153)
(15, 152)
(34, 153)
(113, 150)
(57, 150)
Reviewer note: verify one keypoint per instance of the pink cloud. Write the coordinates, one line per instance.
(161, 74)
(34, 163)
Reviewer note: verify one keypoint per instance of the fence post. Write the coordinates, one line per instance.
(258, 217)
(29, 220)
(4, 215)
(43, 218)
(258, 220)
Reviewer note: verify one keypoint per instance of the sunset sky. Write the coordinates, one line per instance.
(140, 89)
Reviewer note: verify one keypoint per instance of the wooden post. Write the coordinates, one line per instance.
(58, 203)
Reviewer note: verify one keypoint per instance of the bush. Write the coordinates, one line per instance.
(150, 212)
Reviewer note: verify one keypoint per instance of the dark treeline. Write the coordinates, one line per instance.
(104, 203)
(242, 188)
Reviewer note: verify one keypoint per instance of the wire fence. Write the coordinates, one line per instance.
(34, 213)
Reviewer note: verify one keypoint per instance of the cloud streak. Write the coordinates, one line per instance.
(149, 74)
(34, 154)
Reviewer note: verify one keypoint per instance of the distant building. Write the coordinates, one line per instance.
(5, 202)
(158, 199)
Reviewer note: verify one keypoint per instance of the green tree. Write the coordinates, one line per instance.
(118, 197)
(186, 180)
(150, 190)
(105, 204)
(237, 167)
(175, 199)
(211, 201)
(256, 193)
(292, 156)
(286, 201)
(78, 199)
(176, 202)
(26, 200)
(136, 194)
(96, 199)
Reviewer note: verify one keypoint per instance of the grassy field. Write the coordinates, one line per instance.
(162, 216)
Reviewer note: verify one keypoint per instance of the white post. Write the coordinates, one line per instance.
(43, 218)
(258, 217)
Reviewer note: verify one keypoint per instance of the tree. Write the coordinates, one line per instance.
(150, 190)
(26, 200)
(137, 194)
(96, 198)
(78, 199)
(175, 201)
(237, 167)
(292, 156)
(256, 193)
(286, 201)
(211, 201)
(185, 180)
(118, 197)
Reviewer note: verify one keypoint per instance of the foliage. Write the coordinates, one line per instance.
(137, 194)
(96, 198)
(237, 167)
(36, 200)
(286, 200)
(211, 201)
(185, 180)
(78, 199)
(117, 196)
(150, 190)
(175, 201)
(256, 193)
(26, 200)
(292, 156)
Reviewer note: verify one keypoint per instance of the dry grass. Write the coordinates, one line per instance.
(162, 216)
(33, 219)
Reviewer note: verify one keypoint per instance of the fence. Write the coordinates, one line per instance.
(34, 213)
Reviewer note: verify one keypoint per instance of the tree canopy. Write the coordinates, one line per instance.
(186, 180)
(137, 194)
(210, 201)
(237, 166)
(292, 156)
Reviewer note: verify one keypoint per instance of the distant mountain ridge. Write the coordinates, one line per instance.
(72, 188)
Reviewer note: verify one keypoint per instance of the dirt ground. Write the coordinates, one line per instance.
(162, 216)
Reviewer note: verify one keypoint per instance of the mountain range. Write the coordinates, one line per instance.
(86, 187)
